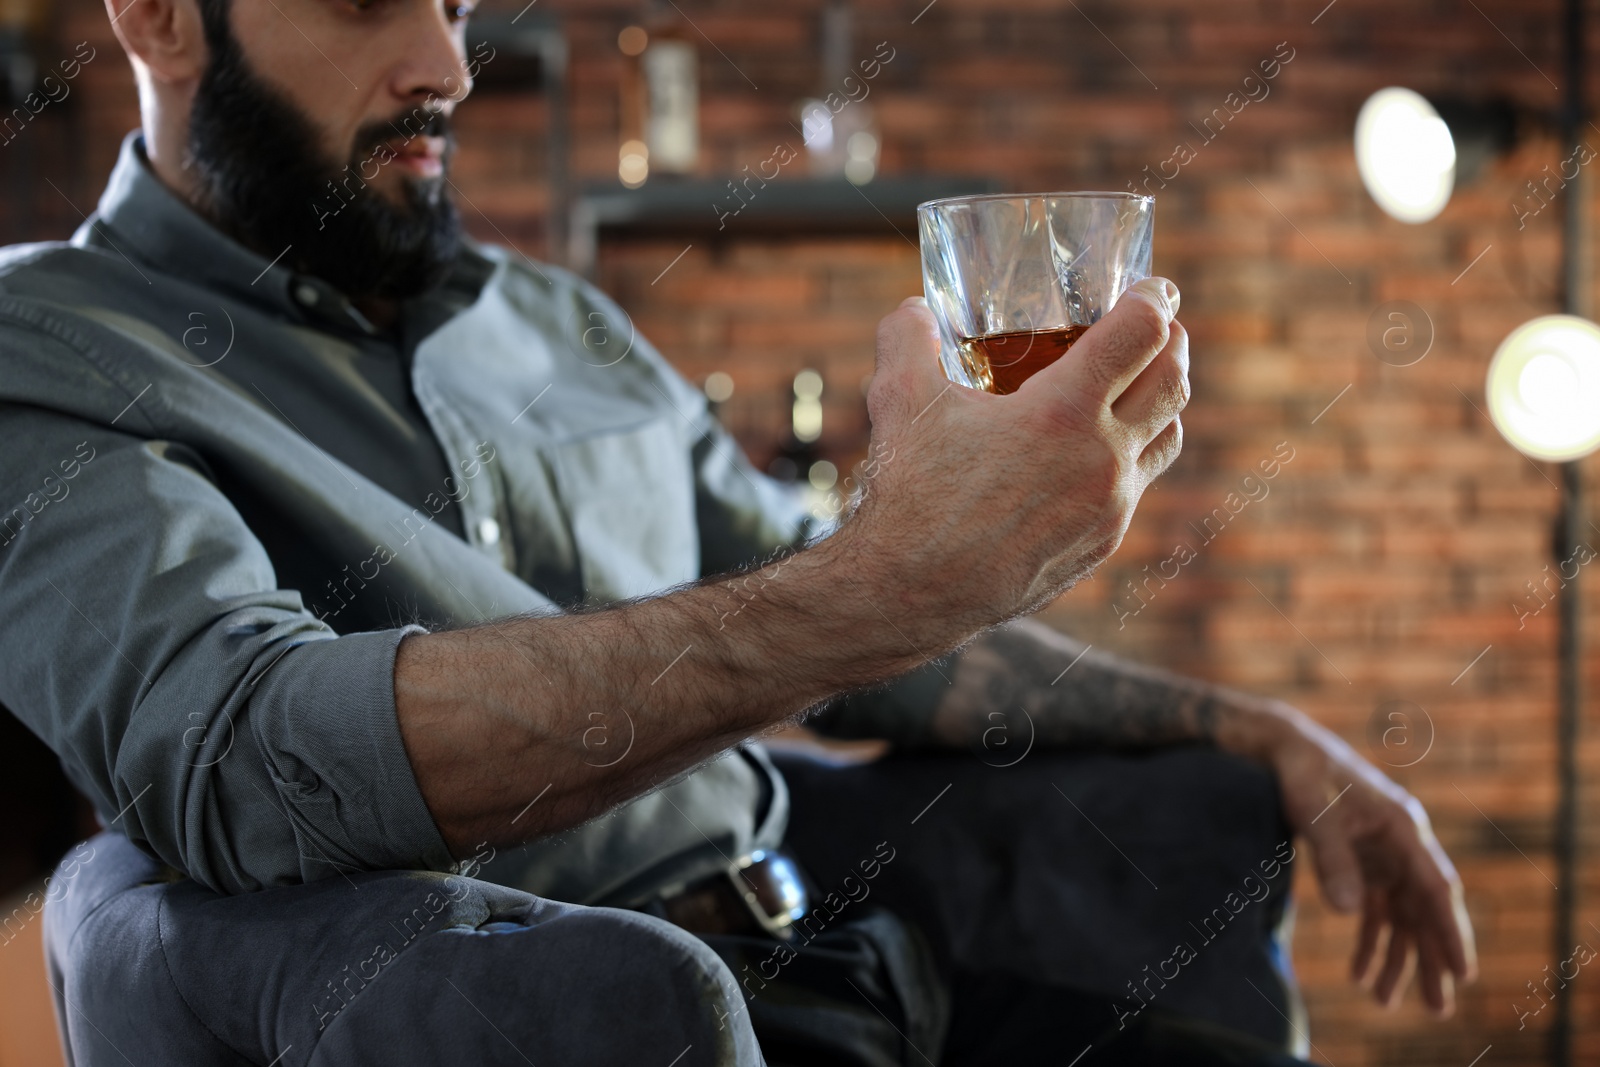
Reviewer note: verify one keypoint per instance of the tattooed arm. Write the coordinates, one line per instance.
(1073, 696)
(1026, 679)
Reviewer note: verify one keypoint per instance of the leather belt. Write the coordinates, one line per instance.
(764, 892)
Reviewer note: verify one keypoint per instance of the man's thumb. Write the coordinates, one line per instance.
(906, 374)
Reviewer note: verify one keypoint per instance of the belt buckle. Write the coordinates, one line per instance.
(771, 887)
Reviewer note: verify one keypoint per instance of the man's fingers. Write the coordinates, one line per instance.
(1444, 906)
(1159, 454)
(1461, 950)
(1107, 359)
(1162, 389)
(1398, 965)
(1373, 918)
(1438, 984)
(1448, 909)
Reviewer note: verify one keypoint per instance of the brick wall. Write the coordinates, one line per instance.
(1384, 557)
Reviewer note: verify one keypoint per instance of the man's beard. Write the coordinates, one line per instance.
(264, 182)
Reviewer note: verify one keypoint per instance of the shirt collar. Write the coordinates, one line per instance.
(139, 216)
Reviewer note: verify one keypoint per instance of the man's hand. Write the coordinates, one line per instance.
(985, 507)
(1374, 849)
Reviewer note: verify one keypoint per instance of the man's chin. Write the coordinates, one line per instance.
(403, 191)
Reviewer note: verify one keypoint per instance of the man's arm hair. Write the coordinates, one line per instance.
(694, 671)
(1025, 680)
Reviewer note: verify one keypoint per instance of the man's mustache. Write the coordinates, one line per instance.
(420, 121)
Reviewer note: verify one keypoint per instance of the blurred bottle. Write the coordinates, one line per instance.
(660, 97)
(838, 126)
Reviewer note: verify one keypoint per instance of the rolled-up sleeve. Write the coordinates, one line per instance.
(204, 710)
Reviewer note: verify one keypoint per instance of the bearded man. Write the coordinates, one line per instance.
(387, 615)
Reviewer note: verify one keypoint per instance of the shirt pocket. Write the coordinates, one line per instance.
(630, 500)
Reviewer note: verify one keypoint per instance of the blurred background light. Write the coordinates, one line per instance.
(633, 40)
(817, 125)
(1405, 154)
(807, 419)
(1544, 388)
(719, 386)
(861, 161)
(823, 475)
(633, 163)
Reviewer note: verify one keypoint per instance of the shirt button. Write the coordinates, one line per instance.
(306, 293)
(489, 531)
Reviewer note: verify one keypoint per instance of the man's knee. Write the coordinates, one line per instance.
(384, 967)
(588, 985)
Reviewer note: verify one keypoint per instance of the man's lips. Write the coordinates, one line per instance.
(419, 155)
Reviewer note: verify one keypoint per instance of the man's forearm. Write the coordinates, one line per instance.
(1026, 672)
(497, 715)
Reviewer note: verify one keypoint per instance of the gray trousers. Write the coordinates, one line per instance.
(1079, 869)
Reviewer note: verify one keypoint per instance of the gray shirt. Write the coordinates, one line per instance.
(224, 498)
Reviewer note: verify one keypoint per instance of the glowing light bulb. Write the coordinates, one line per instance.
(1544, 388)
(1405, 154)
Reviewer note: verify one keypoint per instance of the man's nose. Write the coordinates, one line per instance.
(435, 62)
